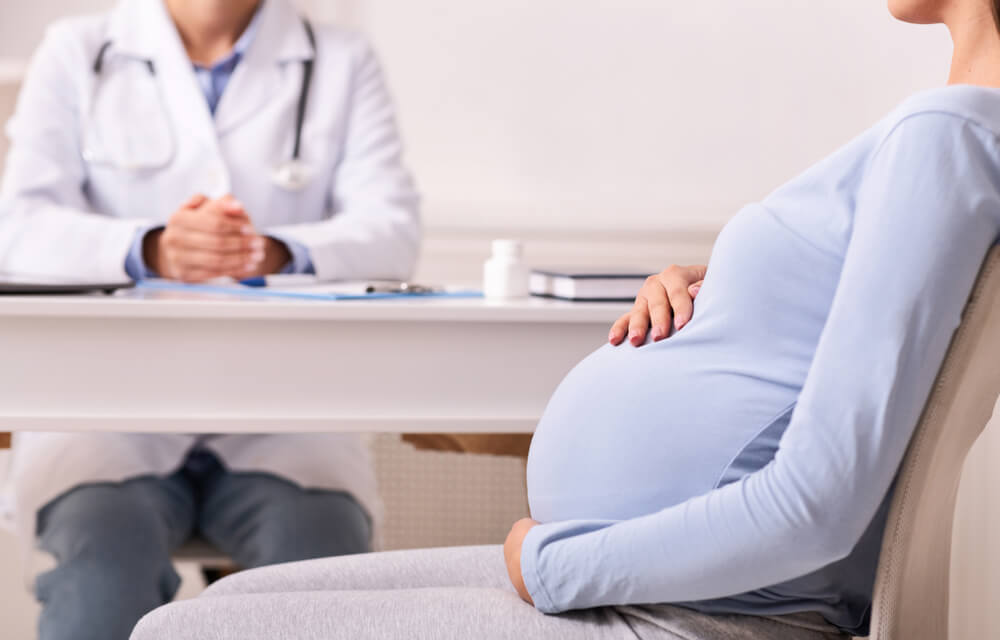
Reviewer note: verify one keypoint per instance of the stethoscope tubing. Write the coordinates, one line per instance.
(307, 72)
(303, 102)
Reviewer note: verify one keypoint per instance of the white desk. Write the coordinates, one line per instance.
(145, 361)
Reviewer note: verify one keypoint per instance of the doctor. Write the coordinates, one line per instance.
(192, 139)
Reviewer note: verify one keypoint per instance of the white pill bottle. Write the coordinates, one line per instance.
(504, 275)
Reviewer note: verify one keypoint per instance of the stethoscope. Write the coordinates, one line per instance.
(292, 174)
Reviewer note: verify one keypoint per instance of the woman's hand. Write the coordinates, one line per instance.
(669, 293)
(512, 554)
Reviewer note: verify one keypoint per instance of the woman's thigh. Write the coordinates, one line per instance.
(456, 592)
(428, 613)
(481, 567)
(448, 613)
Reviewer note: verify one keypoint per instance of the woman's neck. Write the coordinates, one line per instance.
(976, 56)
(210, 28)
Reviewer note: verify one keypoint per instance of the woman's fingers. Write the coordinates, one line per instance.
(675, 287)
(665, 296)
(618, 329)
(679, 285)
(659, 307)
(638, 321)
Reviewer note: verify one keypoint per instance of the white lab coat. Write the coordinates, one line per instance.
(61, 215)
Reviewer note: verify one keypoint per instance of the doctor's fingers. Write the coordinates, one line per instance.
(195, 201)
(193, 275)
(185, 238)
(213, 263)
(209, 218)
(227, 206)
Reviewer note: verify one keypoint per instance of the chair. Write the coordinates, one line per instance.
(912, 584)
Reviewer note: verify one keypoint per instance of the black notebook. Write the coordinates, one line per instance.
(588, 284)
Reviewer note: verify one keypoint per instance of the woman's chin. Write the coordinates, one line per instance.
(916, 11)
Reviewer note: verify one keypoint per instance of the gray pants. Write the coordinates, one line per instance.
(113, 541)
(444, 594)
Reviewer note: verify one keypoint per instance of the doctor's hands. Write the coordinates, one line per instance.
(671, 292)
(206, 239)
(512, 556)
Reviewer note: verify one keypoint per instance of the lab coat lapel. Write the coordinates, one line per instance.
(258, 78)
(144, 29)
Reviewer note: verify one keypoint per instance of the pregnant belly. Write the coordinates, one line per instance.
(632, 431)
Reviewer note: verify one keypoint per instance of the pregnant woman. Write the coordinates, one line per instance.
(730, 481)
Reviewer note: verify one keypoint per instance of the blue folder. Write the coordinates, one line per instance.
(264, 292)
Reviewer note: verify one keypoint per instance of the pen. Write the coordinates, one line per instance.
(258, 281)
(399, 287)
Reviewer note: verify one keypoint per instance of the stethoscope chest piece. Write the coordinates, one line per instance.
(292, 175)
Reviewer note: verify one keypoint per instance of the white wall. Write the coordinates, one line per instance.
(22, 22)
(625, 114)
(635, 113)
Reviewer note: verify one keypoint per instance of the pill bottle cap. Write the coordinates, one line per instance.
(507, 249)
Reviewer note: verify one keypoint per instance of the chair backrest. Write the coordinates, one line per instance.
(911, 587)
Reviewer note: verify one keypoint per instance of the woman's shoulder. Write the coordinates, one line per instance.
(948, 107)
(944, 136)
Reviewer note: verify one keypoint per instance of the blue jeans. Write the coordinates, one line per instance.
(112, 541)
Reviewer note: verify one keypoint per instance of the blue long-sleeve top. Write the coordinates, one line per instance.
(745, 463)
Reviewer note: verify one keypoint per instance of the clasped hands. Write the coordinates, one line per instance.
(209, 238)
(664, 298)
